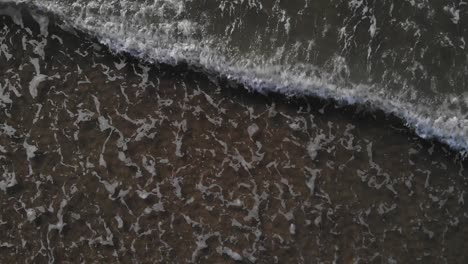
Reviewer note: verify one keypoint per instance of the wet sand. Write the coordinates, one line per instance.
(107, 159)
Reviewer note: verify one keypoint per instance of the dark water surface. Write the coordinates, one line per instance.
(104, 158)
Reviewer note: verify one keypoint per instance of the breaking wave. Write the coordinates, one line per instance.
(219, 38)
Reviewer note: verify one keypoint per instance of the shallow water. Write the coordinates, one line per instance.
(104, 158)
(407, 58)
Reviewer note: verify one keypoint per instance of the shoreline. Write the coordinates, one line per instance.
(118, 160)
(410, 120)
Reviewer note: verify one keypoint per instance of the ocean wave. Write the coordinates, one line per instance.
(161, 33)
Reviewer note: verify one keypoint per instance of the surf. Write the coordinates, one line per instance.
(172, 32)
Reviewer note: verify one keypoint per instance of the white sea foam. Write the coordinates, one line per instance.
(158, 33)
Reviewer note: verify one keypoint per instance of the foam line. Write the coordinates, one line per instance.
(156, 44)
